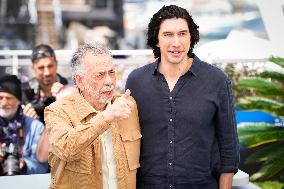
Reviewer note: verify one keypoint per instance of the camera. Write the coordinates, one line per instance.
(10, 164)
(31, 94)
(10, 153)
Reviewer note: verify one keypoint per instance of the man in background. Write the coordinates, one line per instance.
(43, 143)
(40, 91)
(19, 134)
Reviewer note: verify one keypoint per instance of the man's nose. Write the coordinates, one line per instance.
(46, 71)
(108, 78)
(176, 40)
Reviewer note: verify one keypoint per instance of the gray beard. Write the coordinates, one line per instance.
(8, 113)
(97, 96)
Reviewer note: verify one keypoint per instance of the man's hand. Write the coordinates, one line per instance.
(56, 87)
(22, 164)
(29, 110)
(120, 109)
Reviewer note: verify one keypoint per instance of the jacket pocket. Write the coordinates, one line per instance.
(131, 141)
(82, 165)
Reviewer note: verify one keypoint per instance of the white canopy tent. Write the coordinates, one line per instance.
(244, 45)
(238, 45)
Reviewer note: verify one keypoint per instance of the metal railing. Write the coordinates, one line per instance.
(17, 58)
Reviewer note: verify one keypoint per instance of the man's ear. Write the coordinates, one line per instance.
(158, 43)
(79, 82)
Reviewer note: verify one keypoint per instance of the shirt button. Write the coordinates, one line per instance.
(170, 164)
(171, 186)
(171, 97)
(171, 141)
(171, 120)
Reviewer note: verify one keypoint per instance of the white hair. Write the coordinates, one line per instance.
(76, 61)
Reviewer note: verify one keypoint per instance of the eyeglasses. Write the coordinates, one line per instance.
(42, 54)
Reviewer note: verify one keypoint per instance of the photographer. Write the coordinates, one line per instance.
(41, 90)
(19, 134)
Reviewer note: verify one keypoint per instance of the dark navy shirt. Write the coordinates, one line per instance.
(189, 134)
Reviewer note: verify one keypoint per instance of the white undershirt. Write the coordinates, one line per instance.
(108, 159)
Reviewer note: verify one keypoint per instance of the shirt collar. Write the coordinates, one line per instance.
(193, 69)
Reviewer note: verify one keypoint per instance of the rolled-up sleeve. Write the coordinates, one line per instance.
(33, 130)
(226, 130)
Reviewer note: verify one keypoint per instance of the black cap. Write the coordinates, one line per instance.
(11, 84)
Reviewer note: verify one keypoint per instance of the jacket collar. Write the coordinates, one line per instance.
(83, 106)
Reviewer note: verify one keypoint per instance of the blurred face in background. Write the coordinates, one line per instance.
(8, 105)
(45, 70)
(97, 83)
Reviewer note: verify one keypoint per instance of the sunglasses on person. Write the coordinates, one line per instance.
(41, 54)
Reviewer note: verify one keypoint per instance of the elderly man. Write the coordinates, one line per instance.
(19, 134)
(41, 90)
(94, 137)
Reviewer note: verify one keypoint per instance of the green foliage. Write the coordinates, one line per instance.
(267, 90)
(273, 75)
(262, 86)
(260, 103)
(271, 154)
(253, 136)
(267, 94)
(277, 60)
(270, 185)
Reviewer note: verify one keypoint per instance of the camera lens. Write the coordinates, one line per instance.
(11, 166)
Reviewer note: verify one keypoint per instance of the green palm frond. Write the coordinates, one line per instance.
(270, 185)
(277, 60)
(268, 135)
(262, 86)
(266, 92)
(251, 129)
(279, 111)
(269, 169)
(273, 75)
(260, 103)
(266, 154)
(257, 128)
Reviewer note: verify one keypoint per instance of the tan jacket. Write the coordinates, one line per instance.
(75, 147)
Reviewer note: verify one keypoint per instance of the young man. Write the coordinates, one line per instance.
(41, 90)
(94, 138)
(186, 111)
(19, 134)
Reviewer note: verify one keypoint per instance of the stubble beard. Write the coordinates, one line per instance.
(97, 94)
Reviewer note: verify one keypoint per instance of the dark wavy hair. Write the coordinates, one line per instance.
(167, 12)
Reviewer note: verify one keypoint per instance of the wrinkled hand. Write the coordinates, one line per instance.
(29, 110)
(120, 109)
(56, 87)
